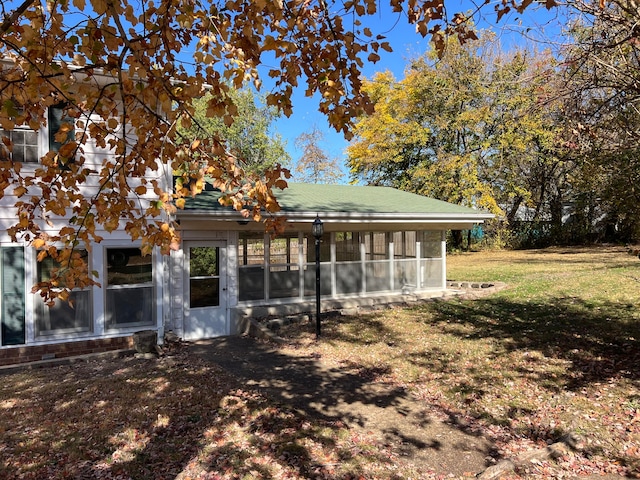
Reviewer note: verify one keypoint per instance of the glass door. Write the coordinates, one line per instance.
(205, 285)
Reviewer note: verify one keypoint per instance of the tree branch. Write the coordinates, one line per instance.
(10, 19)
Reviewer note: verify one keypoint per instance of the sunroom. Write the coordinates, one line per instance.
(378, 244)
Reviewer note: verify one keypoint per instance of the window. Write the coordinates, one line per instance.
(309, 247)
(431, 244)
(63, 317)
(349, 273)
(404, 245)
(348, 246)
(25, 145)
(13, 295)
(60, 125)
(404, 265)
(377, 274)
(204, 277)
(284, 266)
(24, 140)
(251, 249)
(377, 246)
(431, 265)
(129, 296)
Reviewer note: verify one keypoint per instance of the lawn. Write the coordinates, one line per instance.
(556, 353)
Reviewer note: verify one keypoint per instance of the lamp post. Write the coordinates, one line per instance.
(317, 229)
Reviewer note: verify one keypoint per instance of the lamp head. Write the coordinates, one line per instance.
(317, 228)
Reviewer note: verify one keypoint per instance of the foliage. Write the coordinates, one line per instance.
(249, 138)
(315, 166)
(122, 73)
(466, 128)
(603, 121)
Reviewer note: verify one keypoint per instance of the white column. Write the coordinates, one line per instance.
(443, 254)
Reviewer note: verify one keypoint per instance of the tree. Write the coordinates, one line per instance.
(249, 138)
(120, 74)
(315, 166)
(602, 110)
(477, 127)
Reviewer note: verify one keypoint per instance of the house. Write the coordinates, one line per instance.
(378, 243)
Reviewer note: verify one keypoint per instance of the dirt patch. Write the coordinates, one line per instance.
(424, 441)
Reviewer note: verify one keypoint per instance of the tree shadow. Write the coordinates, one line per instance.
(299, 381)
(352, 395)
(154, 419)
(598, 341)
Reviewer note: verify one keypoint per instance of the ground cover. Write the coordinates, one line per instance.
(555, 355)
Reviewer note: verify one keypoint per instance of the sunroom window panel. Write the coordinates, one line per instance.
(349, 277)
(309, 274)
(376, 246)
(347, 246)
(430, 244)
(309, 247)
(431, 273)
(284, 268)
(310, 279)
(405, 277)
(404, 245)
(378, 276)
(130, 293)
(251, 251)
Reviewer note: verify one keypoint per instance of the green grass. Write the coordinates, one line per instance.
(555, 353)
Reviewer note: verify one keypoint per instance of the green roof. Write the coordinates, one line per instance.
(322, 198)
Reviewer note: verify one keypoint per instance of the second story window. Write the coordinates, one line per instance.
(25, 142)
(25, 145)
(61, 127)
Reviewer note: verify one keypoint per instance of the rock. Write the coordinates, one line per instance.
(146, 356)
(170, 337)
(145, 341)
(497, 471)
(505, 467)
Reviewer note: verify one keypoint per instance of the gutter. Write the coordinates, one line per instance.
(348, 217)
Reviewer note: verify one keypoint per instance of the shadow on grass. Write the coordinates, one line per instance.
(299, 381)
(351, 394)
(167, 419)
(600, 341)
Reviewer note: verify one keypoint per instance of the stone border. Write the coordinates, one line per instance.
(267, 327)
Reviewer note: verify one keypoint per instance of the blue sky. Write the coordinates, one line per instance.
(538, 25)
(512, 30)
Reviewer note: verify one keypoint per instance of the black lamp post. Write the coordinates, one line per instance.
(317, 229)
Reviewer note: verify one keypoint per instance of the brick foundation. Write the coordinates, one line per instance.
(34, 353)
